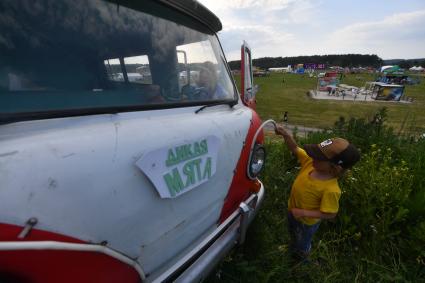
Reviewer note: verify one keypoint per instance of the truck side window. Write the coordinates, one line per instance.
(64, 57)
(200, 74)
(137, 68)
(113, 69)
(190, 58)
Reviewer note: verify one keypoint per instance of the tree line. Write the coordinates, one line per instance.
(345, 60)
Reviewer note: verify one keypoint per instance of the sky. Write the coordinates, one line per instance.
(391, 29)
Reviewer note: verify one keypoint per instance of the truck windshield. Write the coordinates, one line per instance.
(68, 55)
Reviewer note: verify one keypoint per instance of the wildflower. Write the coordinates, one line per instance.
(283, 248)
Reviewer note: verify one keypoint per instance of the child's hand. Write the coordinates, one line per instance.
(279, 130)
(297, 212)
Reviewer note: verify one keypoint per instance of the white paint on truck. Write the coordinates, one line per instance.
(78, 177)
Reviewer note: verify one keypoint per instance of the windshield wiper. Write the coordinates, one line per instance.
(230, 103)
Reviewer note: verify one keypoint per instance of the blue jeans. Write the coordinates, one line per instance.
(301, 235)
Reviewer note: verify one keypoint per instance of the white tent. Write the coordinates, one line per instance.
(281, 69)
(417, 69)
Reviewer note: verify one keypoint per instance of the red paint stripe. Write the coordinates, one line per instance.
(241, 184)
(63, 266)
(51, 266)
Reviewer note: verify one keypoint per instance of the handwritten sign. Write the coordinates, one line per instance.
(177, 169)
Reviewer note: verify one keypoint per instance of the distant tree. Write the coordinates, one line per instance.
(405, 64)
(345, 60)
(235, 65)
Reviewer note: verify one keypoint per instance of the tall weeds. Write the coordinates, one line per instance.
(379, 233)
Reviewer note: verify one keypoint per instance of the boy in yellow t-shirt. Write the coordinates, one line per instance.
(315, 192)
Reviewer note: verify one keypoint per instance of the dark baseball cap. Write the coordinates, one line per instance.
(337, 150)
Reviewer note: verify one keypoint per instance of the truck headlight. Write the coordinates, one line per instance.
(256, 162)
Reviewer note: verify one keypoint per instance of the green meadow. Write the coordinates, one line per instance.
(288, 92)
(379, 232)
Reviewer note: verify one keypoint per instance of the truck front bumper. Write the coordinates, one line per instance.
(199, 262)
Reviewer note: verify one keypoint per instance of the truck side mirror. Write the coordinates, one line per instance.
(248, 89)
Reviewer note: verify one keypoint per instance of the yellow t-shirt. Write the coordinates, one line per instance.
(312, 194)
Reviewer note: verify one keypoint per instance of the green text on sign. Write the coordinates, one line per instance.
(186, 152)
(192, 172)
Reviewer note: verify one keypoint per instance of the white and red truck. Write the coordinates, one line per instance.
(127, 153)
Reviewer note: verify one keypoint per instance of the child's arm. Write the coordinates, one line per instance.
(290, 142)
(298, 212)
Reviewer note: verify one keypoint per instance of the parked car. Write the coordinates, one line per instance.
(112, 167)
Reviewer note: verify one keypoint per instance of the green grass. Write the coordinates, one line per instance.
(379, 233)
(275, 97)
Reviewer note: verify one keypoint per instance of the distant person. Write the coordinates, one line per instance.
(315, 192)
(285, 117)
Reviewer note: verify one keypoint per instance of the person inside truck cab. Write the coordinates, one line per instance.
(209, 88)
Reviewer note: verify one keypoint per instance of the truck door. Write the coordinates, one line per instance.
(111, 147)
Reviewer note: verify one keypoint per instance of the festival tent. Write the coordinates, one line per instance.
(417, 69)
(385, 67)
(392, 70)
(299, 69)
(281, 69)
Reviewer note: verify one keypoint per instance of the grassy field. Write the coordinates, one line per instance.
(379, 233)
(275, 97)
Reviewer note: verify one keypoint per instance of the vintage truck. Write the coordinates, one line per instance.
(115, 167)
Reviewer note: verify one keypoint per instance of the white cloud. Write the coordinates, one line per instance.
(260, 22)
(395, 26)
(307, 27)
(302, 11)
(217, 5)
(402, 33)
(264, 40)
